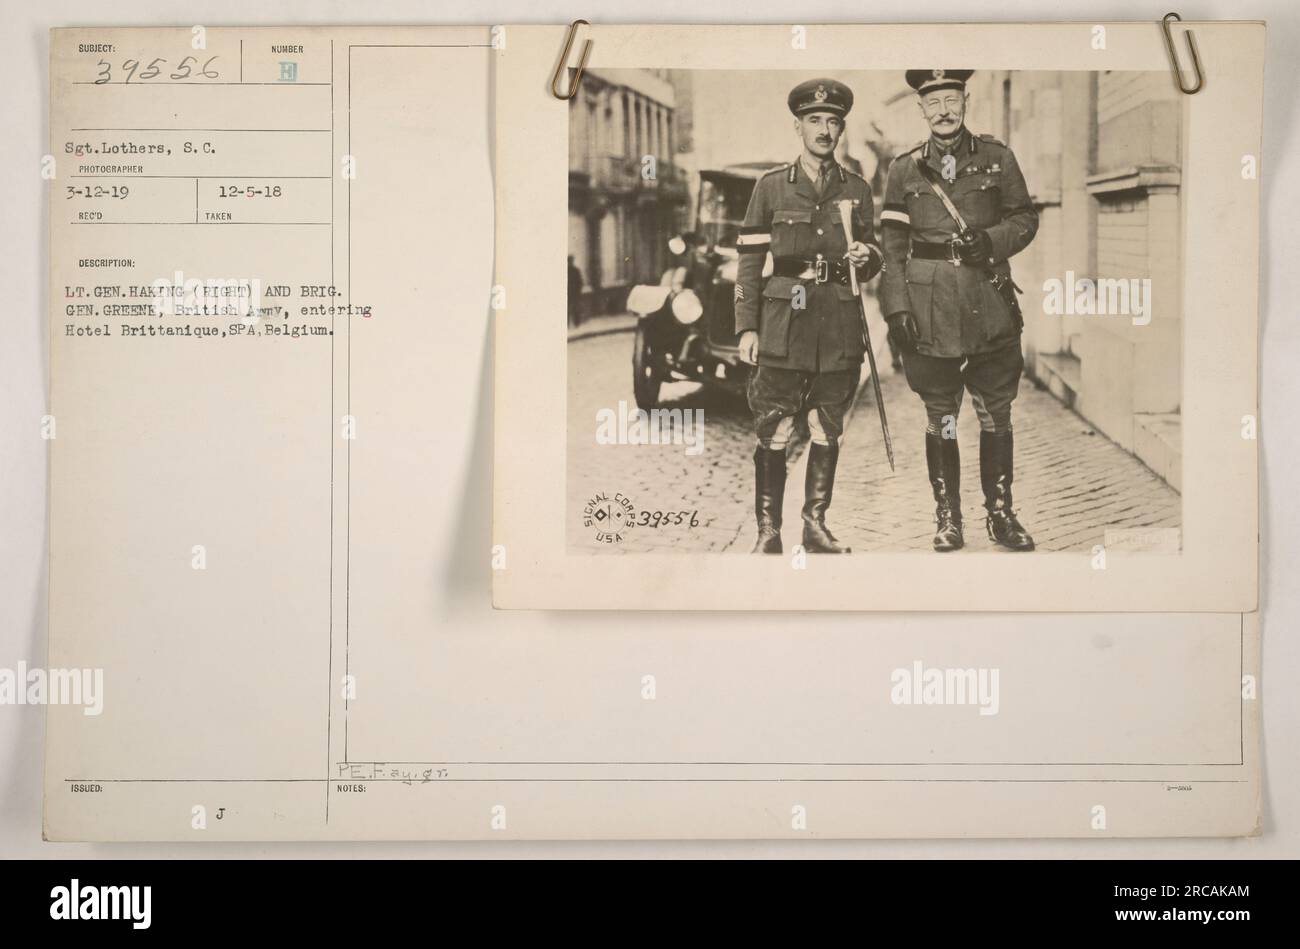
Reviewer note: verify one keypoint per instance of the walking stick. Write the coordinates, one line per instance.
(846, 218)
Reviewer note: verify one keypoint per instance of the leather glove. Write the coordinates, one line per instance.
(975, 247)
(902, 331)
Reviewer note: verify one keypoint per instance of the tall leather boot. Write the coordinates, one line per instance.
(817, 538)
(769, 490)
(996, 456)
(943, 460)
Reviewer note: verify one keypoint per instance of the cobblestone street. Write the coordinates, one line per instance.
(718, 483)
(1071, 486)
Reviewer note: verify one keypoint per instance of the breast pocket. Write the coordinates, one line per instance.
(926, 213)
(792, 233)
(981, 200)
(835, 226)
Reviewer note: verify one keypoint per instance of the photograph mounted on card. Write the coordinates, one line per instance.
(838, 337)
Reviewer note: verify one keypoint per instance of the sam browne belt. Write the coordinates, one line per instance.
(820, 270)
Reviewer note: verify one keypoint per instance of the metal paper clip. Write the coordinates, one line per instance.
(1173, 56)
(564, 59)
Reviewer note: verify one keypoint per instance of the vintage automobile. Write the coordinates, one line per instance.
(686, 327)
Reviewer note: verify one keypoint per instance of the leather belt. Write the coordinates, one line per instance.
(924, 250)
(820, 270)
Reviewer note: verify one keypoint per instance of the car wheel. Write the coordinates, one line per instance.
(645, 378)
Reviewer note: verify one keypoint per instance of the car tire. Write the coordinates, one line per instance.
(645, 378)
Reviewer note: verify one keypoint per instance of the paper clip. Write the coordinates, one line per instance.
(564, 59)
(1173, 56)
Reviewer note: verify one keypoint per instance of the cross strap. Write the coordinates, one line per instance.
(927, 173)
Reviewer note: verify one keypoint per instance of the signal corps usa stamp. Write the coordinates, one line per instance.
(611, 516)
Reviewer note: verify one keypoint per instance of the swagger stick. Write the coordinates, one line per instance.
(846, 218)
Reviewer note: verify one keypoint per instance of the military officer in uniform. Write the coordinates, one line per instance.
(801, 326)
(955, 209)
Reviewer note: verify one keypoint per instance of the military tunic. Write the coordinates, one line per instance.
(788, 217)
(957, 311)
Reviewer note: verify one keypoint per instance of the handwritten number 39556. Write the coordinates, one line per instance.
(184, 70)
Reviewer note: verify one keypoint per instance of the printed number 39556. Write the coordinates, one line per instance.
(665, 518)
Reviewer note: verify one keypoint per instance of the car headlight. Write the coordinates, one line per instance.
(687, 307)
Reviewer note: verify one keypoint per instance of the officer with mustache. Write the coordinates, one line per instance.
(956, 208)
(801, 327)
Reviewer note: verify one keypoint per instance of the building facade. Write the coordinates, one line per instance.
(626, 191)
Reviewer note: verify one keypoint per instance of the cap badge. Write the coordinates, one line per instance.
(820, 94)
(938, 74)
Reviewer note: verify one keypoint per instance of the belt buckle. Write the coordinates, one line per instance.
(821, 269)
(952, 253)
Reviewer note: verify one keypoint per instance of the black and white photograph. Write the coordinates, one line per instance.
(933, 310)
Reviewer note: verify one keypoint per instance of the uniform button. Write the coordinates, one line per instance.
(820, 231)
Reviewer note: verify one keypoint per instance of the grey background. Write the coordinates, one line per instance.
(23, 375)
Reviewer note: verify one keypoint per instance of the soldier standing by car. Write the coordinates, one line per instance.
(956, 208)
(801, 327)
